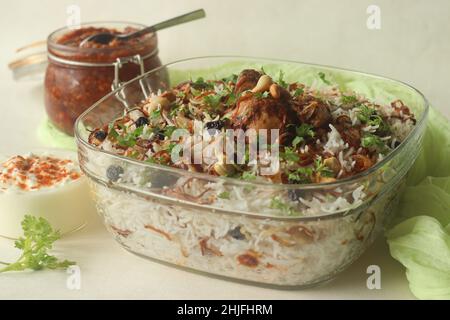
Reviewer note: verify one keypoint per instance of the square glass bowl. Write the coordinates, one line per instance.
(175, 216)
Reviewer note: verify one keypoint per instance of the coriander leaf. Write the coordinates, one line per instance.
(277, 203)
(233, 78)
(224, 195)
(212, 100)
(297, 140)
(321, 169)
(298, 92)
(348, 99)
(169, 130)
(301, 175)
(155, 114)
(281, 81)
(305, 131)
(261, 95)
(372, 141)
(289, 155)
(248, 176)
(130, 139)
(38, 239)
(322, 77)
(231, 100)
(200, 84)
(365, 113)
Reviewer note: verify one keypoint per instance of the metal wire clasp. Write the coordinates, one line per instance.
(137, 59)
(117, 84)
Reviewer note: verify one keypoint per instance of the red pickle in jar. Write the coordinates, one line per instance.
(78, 77)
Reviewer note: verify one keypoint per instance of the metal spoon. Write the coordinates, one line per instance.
(105, 37)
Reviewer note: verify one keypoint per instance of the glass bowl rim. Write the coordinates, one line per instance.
(304, 187)
(52, 44)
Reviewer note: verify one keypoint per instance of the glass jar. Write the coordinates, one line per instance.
(76, 77)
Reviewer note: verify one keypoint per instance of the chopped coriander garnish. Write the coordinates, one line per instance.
(224, 195)
(200, 84)
(365, 113)
(298, 92)
(302, 132)
(155, 114)
(370, 140)
(170, 147)
(297, 140)
(181, 94)
(213, 100)
(301, 175)
(305, 130)
(261, 95)
(281, 81)
(113, 133)
(233, 78)
(289, 155)
(248, 176)
(321, 169)
(348, 99)
(232, 98)
(277, 203)
(322, 77)
(370, 117)
(129, 140)
(169, 130)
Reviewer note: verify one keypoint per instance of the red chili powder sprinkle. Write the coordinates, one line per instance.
(34, 172)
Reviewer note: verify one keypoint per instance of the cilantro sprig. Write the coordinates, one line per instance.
(373, 141)
(321, 169)
(281, 80)
(130, 138)
(37, 240)
(303, 132)
(277, 203)
(213, 100)
(301, 175)
(371, 117)
(349, 99)
(200, 84)
(298, 92)
(323, 78)
(289, 154)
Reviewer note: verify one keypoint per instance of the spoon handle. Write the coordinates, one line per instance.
(194, 15)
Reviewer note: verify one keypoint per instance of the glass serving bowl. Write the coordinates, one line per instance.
(161, 213)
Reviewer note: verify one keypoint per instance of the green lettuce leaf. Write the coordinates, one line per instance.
(422, 245)
(434, 160)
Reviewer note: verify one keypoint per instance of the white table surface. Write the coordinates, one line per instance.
(108, 271)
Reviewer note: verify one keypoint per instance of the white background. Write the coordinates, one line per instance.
(413, 46)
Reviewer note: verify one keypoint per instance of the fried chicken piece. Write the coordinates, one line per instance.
(312, 111)
(256, 113)
(247, 80)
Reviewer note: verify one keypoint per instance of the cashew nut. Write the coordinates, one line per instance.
(275, 91)
(325, 179)
(263, 84)
(333, 164)
(155, 102)
(223, 169)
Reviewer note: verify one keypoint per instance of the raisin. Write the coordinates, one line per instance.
(141, 122)
(218, 124)
(114, 172)
(236, 233)
(100, 135)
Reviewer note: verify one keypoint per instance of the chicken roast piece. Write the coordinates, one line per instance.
(262, 104)
(246, 80)
(312, 111)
